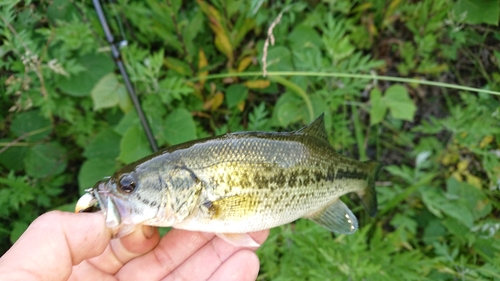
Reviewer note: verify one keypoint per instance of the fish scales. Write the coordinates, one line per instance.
(280, 177)
(243, 182)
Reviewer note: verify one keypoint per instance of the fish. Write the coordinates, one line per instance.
(238, 183)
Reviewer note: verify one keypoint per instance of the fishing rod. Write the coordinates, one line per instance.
(115, 52)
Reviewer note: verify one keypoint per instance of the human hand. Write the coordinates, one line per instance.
(66, 246)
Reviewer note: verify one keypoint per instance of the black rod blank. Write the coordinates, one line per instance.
(115, 52)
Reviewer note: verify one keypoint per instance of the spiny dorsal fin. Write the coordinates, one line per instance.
(315, 129)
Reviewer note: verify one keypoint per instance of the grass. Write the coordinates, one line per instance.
(412, 85)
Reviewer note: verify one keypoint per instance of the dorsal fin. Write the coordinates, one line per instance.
(315, 129)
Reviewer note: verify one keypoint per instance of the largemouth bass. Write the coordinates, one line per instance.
(238, 183)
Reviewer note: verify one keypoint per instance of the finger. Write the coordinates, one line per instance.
(174, 248)
(53, 243)
(242, 266)
(179, 247)
(211, 256)
(119, 252)
(89, 272)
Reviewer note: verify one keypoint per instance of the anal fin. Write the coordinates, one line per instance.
(336, 217)
(238, 239)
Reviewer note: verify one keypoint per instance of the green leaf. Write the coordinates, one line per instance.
(45, 160)
(438, 204)
(458, 229)
(258, 118)
(336, 40)
(303, 36)
(319, 106)
(178, 66)
(489, 250)
(134, 145)
(173, 88)
(478, 11)
(379, 107)
(278, 59)
(12, 158)
(434, 231)
(60, 10)
(432, 199)
(308, 58)
(107, 91)
(399, 103)
(30, 123)
(469, 196)
(96, 66)
(105, 145)
(17, 231)
(124, 101)
(127, 121)
(179, 127)
(235, 94)
(94, 170)
(69, 207)
(289, 109)
(497, 56)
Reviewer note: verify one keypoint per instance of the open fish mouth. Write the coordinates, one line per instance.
(87, 203)
(114, 209)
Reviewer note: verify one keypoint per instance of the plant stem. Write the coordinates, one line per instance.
(358, 131)
(298, 90)
(349, 75)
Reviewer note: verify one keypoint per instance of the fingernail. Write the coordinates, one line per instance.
(148, 231)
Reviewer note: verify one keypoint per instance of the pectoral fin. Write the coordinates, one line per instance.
(337, 218)
(238, 239)
(236, 207)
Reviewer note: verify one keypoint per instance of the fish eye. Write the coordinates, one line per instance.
(127, 184)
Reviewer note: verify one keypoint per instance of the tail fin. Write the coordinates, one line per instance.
(369, 196)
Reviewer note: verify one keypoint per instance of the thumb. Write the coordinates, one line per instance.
(52, 244)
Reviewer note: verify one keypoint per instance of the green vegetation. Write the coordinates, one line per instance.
(67, 121)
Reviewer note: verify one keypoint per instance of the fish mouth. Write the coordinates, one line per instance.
(115, 209)
(87, 203)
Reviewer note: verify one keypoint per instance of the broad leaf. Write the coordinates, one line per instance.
(235, 94)
(134, 145)
(179, 127)
(12, 158)
(438, 204)
(96, 66)
(31, 125)
(45, 160)
(127, 121)
(94, 170)
(478, 11)
(379, 107)
(105, 145)
(107, 92)
(278, 59)
(289, 109)
(399, 103)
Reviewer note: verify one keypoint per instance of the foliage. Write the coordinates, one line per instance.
(68, 122)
